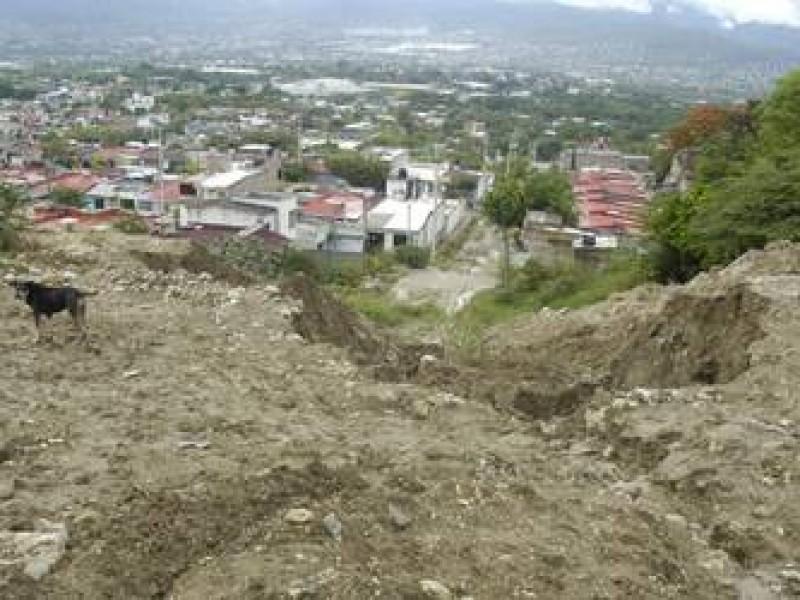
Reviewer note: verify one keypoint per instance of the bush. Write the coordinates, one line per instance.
(379, 263)
(132, 225)
(197, 260)
(534, 286)
(10, 220)
(413, 257)
(247, 255)
(291, 261)
(378, 308)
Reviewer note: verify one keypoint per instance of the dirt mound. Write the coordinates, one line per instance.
(197, 260)
(321, 318)
(703, 333)
(198, 447)
(695, 338)
(778, 258)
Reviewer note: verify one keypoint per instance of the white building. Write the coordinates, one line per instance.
(275, 211)
(140, 103)
(394, 223)
(416, 181)
(237, 181)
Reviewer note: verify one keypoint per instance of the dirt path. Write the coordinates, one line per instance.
(475, 268)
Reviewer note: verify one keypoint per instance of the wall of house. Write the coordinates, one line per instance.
(549, 247)
(231, 216)
(345, 244)
(450, 217)
(262, 181)
(283, 212)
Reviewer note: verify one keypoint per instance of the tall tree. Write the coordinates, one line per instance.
(11, 200)
(746, 191)
(505, 206)
(358, 170)
(551, 191)
(64, 196)
(780, 115)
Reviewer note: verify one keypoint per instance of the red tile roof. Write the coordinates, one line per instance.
(323, 209)
(73, 180)
(610, 201)
(340, 205)
(57, 215)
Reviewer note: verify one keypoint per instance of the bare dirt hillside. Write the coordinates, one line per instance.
(195, 445)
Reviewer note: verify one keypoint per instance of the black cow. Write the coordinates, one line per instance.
(48, 300)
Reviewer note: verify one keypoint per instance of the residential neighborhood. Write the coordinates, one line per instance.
(93, 154)
(399, 300)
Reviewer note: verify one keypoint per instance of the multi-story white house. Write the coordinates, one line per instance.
(416, 181)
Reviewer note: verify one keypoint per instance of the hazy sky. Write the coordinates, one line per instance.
(741, 11)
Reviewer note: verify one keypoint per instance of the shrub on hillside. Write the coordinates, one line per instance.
(413, 257)
(10, 220)
(132, 226)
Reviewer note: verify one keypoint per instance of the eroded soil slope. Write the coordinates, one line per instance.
(194, 445)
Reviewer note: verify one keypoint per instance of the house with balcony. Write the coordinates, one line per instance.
(417, 181)
(334, 222)
(273, 211)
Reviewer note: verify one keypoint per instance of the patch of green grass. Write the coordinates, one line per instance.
(447, 253)
(534, 287)
(380, 309)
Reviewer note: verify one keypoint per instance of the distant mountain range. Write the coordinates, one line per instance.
(512, 16)
(663, 37)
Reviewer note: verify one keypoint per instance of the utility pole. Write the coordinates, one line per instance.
(300, 131)
(435, 219)
(512, 149)
(161, 168)
(408, 222)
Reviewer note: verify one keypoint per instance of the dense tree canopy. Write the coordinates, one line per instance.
(780, 116)
(519, 189)
(358, 170)
(746, 190)
(10, 202)
(534, 190)
(66, 197)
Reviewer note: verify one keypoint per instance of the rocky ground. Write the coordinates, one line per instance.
(195, 445)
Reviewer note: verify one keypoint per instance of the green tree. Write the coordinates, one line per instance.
(779, 115)
(66, 197)
(749, 211)
(357, 169)
(11, 200)
(746, 192)
(505, 206)
(294, 172)
(676, 254)
(551, 191)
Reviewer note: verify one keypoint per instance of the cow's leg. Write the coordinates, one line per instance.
(79, 317)
(37, 321)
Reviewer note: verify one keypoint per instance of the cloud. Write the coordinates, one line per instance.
(778, 12)
(633, 5)
(784, 12)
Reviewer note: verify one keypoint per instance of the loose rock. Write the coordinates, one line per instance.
(333, 526)
(299, 516)
(420, 409)
(399, 518)
(38, 550)
(435, 590)
(6, 489)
